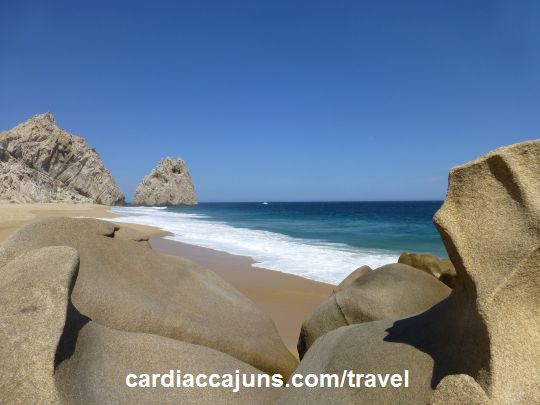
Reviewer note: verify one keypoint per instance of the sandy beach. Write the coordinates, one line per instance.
(288, 299)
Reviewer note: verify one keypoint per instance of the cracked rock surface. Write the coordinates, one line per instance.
(169, 183)
(42, 163)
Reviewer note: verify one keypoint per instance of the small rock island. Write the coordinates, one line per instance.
(168, 184)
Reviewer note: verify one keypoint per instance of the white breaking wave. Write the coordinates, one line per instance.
(328, 262)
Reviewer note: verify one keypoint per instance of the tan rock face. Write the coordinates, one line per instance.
(52, 354)
(442, 269)
(96, 372)
(490, 224)
(125, 285)
(168, 184)
(22, 184)
(40, 162)
(489, 326)
(351, 278)
(459, 389)
(389, 292)
(34, 295)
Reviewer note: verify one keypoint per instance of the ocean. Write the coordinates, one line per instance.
(323, 241)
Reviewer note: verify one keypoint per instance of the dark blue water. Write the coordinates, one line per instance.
(394, 226)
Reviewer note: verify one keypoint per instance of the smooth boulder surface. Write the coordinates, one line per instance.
(169, 183)
(40, 162)
(390, 292)
(125, 285)
(96, 371)
(362, 349)
(347, 281)
(52, 354)
(130, 234)
(489, 326)
(34, 294)
(442, 269)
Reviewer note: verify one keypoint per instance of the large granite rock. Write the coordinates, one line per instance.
(52, 354)
(169, 183)
(34, 294)
(125, 285)
(490, 224)
(458, 389)
(442, 269)
(40, 162)
(103, 357)
(489, 326)
(351, 278)
(390, 292)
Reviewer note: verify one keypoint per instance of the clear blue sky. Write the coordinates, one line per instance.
(279, 100)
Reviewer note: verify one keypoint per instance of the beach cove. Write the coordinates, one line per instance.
(269, 203)
(90, 292)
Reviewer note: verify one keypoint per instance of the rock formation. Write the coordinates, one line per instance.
(467, 389)
(442, 269)
(169, 183)
(40, 162)
(489, 326)
(125, 285)
(52, 354)
(84, 302)
(34, 296)
(347, 281)
(389, 292)
(490, 224)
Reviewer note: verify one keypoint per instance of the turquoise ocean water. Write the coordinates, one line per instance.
(320, 240)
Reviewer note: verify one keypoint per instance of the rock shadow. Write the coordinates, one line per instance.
(453, 336)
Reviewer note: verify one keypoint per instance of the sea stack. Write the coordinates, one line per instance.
(41, 163)
(168, 184)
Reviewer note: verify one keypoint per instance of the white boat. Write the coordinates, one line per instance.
(265, 203)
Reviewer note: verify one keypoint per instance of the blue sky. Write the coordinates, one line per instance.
(279, 100)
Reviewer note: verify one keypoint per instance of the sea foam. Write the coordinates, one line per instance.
(316, 260)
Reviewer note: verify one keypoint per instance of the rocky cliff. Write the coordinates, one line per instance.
(168, 184)
(40, 162)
